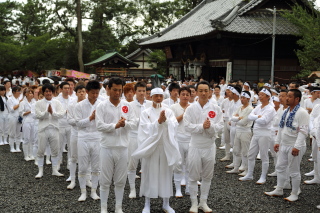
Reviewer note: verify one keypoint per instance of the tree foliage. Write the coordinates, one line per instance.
(307, 21)
(43, 34)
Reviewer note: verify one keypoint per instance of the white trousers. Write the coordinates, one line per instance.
(14, 129)
(184, 149)
(132, 162)
(201, 165)
(113, 166)
(4, 127)
(88, 152)
(287, 160)
(232, 135)
(29, 133)
(73, 149)
(226, 134)
(262, 144)
(50, 136)
(64, 138)
(241, 149)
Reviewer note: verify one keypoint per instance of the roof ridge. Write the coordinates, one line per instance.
(249, 6)
(191, 12)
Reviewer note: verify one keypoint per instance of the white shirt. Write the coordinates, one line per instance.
(138, 108)
(181, 135)
(12, 101)
(225, 105)
(63, 122)
(243, 125)
(86, 129)
(263, 125)
(233, 107)
(296, 138)
(26, 106)
(219, 100)
(170, 102)
(194, 118)
(107, 116)
(309, 104)
(71, 114)
(45, 118)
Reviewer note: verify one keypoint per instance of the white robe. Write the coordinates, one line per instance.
(159, 152)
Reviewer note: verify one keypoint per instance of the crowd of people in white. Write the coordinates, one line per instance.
(109, 128)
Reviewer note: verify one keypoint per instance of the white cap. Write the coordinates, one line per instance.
(156, 91)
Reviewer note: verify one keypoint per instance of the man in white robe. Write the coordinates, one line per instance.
(291, 145)
(158, 150)
(204, 121)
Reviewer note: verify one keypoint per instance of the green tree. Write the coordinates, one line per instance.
(307, 21)
(158, 57)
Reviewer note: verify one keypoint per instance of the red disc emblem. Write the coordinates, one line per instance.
(125, 109)
(212, 114)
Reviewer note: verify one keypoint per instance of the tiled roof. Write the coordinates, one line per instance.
(260, 23)
(237, 16)
(109, 56)
(148, 51)
(195, 23)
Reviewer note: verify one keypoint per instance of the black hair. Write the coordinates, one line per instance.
(247, 93)
(114, 80)
(49, 87)
(63, 83)
(70, 80)
(296, 85)
(140, 84)
(4, 83)
(203, 82)
(256, 90)
(92, 85)
(284, 90)
(191, 87)
(173, 86)
(79, 87)
(16, 89)
(314, 88)
(2, 88)
(238, 89)
(148, 89)
(185, 89)
(296, 93)
(56, 83)
(218, 87)
(45, 81)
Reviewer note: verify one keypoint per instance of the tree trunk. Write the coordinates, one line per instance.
(79, 31)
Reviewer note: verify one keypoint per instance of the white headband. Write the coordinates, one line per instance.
(229, 88)
(235, 91)
(265, 91)
(267, 85)
(156, 91)
(316, 90)
(275, 91)
(275, 98)
(244, 94)
(246, 84)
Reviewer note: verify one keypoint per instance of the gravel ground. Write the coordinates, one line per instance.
(21, 192)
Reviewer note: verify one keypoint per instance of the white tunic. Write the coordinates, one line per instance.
(243, 125)
(194, 118)
(181, 135)
(170, 102)
(262, 125)
(107, 116)
(86, 129)
(295, 138)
